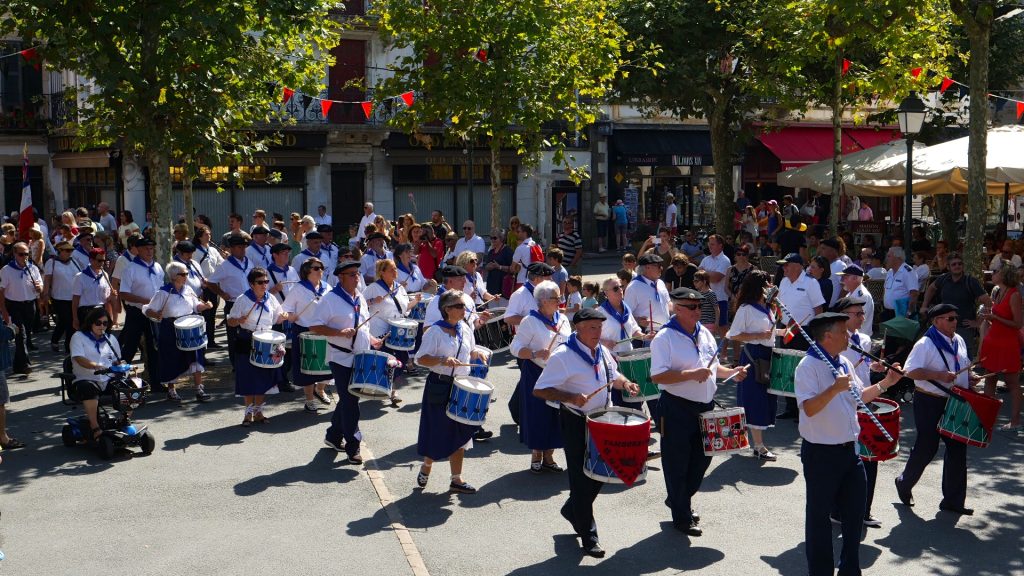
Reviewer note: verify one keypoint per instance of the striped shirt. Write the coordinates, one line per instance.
(569, 244)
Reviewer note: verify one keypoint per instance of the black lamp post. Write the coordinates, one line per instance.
(911, 115)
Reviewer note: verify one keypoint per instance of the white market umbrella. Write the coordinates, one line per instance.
(818, 176)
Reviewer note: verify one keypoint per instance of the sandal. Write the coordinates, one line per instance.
(322, 397)
(763, 453)
(422, 477)
(536, 467)
(247, 420)
(552, 467)
(1011, 427)
(395, 400)
(461, 487)
(258, 416)
(12, 443)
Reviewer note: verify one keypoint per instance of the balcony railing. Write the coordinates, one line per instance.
(305, 110)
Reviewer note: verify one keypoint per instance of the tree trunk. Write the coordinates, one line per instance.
(158, 162)
(945, 213)
(721, 154)
(837, 145)
(495, 183)
(977, 148)
(186, 190)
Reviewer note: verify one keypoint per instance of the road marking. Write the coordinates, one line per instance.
(412, 553)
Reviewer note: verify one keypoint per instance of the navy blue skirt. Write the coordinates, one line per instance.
(753, 397)
(539, 428)
(439, 435)
(171, 362)
(253, 380)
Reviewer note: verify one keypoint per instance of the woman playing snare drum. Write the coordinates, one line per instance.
(447, 348)
(253, 311)
(409, 274)
(387, 300)
(539, 333)
(172, 301)
(753, 325)
(300, 304)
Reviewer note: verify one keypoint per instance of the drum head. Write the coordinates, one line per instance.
(271, 336)
(879, 406)
(619, 416)
(311, 336)
(497, 315)
(786, 352)
(638, 354)
(189, 322)
(403, 323)
(473, 384)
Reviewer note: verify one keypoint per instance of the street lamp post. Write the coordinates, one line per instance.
(911, 115)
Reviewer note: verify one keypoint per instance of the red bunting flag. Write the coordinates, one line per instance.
(915, 72)
(30, 55)
(1020, 109)
(367, 109)
(946, 83)
(846, 66)
(481, 55)
(408, 97)
(622, 447)
(287, 94)
(325, 106)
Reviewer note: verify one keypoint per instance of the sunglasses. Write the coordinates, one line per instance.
(261, 282)
(67, 250)
(182, 274)
(21, 253)
(950, 318)
(616, 288)
(317, 268)
(459, 306)
(101, 323)
(494, 238)
(689, 306)
(742, 254)
(466, 228)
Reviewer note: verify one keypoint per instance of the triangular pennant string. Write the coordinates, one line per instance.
(915, 72)
(325, 106)
(1020, 109)
(946, 83)
(408, 98)
(367, 109)
(287, 94)
(846, 66)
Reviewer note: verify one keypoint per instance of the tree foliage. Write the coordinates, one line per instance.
(184, 78)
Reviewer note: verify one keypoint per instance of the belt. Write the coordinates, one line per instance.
(843, 445)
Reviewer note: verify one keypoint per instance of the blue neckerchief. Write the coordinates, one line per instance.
(944, 347)
(243, 266)
(82, 251)
(170, 289)
(353, 302)
(317, 292)
(206, 253)
(377, 256)
(444, 324)
(620, 318)
(308, 253)
(150, 267)
(192, 272)
(855, 338)
(551, 324)
(389, 291)
(88, 272)
(410, 272)
(574, 344)
(95, 340)
(674, 324)
(761, 309)
(440, 290)
(329, 248)
(276, 268)
(261, 251)
(24, 271)
(529, 287)
(261, 303)
(824, 357)
(652, 283)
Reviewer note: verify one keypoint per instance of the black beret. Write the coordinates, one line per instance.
(684, 293)
(847, 302)
(279, 248)
(324, 228)
(831, 243)
(185, 246)
(851, 270)
(345, 266)
(940, 309)
(589, 314)
(825, 319)
(145, 242)
(539, 269)
(314, 235)
(275, 233)
(237, 240)
(376, 236)
(650, 258)
(453, 271)
(260, 230)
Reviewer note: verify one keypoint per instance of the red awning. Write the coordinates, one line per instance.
(797, 146)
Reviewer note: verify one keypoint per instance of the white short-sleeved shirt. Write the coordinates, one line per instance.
(207, 258)
(837, 422)
(173, 305)
(899, 284)
(612, 330)
(259, 255)
(574, 301)
(83, 346)
(232, 276)
(640, 297)
(329, 255)
(334, 312)
(141, 280)
(861, 364)
(303, 301)
(670, 215)
(437, 342)
(91, 288)
(411, 278)
(568, 372)
(924, 354)
(290, 276)
(800, 297)
(534, 335)
(834, 269)
(922, 272)
(719, 264)
(750, 320)
(259, 318)
(306, 255)
(19, 285)
(476, 287)
(521, 256)
(385, 309)
(80, 256)
(475, 244)
(671, 350)
(520, 302)
(62, 276)
(862, 293)
(433, 313)
(363, 223)
(120, 264)
(368, 265)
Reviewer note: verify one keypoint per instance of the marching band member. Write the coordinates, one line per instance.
(258, 251)
(340, 316)
(567, 379)
(475, 286)
(388, 300)
(901, 286)
(447, 348)
(82, 244)
(312, 250)
(754, 326)
(852, 279)
(207, 259)
(375, 251)
(941, 355)
(91, 288)
(522, 301)
(647, 295)
(833, 471)
(230, 280)
(139, 282)
(173, 300)
(347, 254)
(328, 249)
(537, 336)
(801, 294)
(300, 304)
(21, 283)
(684, 364)
(58, 280)
(409, 274)
(183, 252)
(92, 350)
(620, 326)
(254, 310)
(282, 279)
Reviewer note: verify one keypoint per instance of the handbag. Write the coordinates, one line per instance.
(762, 368)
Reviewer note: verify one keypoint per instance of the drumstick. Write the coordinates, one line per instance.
(365, 321)
(971, 365)
(650, 315)
(745, 366)
(623, 341)
(889, 366)
(594, 393)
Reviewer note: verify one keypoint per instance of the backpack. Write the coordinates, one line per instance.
(536, 254)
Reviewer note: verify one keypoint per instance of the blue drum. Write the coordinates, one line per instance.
(267, 349)
(6, 347)
(469, 401)
(481, 365)
(419, 311)
(373, 374)
(190, 333)
(402, 334)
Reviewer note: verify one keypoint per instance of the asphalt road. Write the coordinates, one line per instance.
(216, 498)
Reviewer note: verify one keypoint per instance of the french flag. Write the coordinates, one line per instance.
(26, 218)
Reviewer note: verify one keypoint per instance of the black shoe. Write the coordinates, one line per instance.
(356, 459)
(482, 435)
(212, 346)
(696, 517)
(904, 495)
(956, 509)
(691, 530)
(285, 387)
(593, 549)
(338, 446)
(202, 396)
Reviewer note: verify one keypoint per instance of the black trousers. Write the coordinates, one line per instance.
(834, 475)
(682, 452)
(23, 316)
(65, 325)
(345, 420)
(583, 490)
(232, 332)
(139, 330)
(928, 411)
(211, 315)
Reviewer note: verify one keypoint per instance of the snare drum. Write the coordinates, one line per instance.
(469, 401)
(495, 335)
(419, 311)
(969, 417)
(482, 366)
(724, 431)
(636, 366)
(872, 445)
(784, 363)
(190, 333)
(594, 466)
(267, 349)
(402, 334)
(373, 374)
(313, 354)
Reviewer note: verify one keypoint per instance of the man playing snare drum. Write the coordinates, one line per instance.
(941, 355)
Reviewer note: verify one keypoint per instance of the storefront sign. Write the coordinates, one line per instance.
(867, 227)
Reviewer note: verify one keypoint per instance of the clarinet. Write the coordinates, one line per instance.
(771, 295)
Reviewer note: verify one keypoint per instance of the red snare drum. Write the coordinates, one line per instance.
(724, 431)
(872, 445)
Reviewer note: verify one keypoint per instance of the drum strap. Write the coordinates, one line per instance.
(391, 293)
(336, 347)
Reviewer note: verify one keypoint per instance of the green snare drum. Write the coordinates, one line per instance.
(969, 417)
(313, 354)
(784, 363)
(636, 366)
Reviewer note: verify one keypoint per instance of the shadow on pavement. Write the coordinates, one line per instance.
(322, 469)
